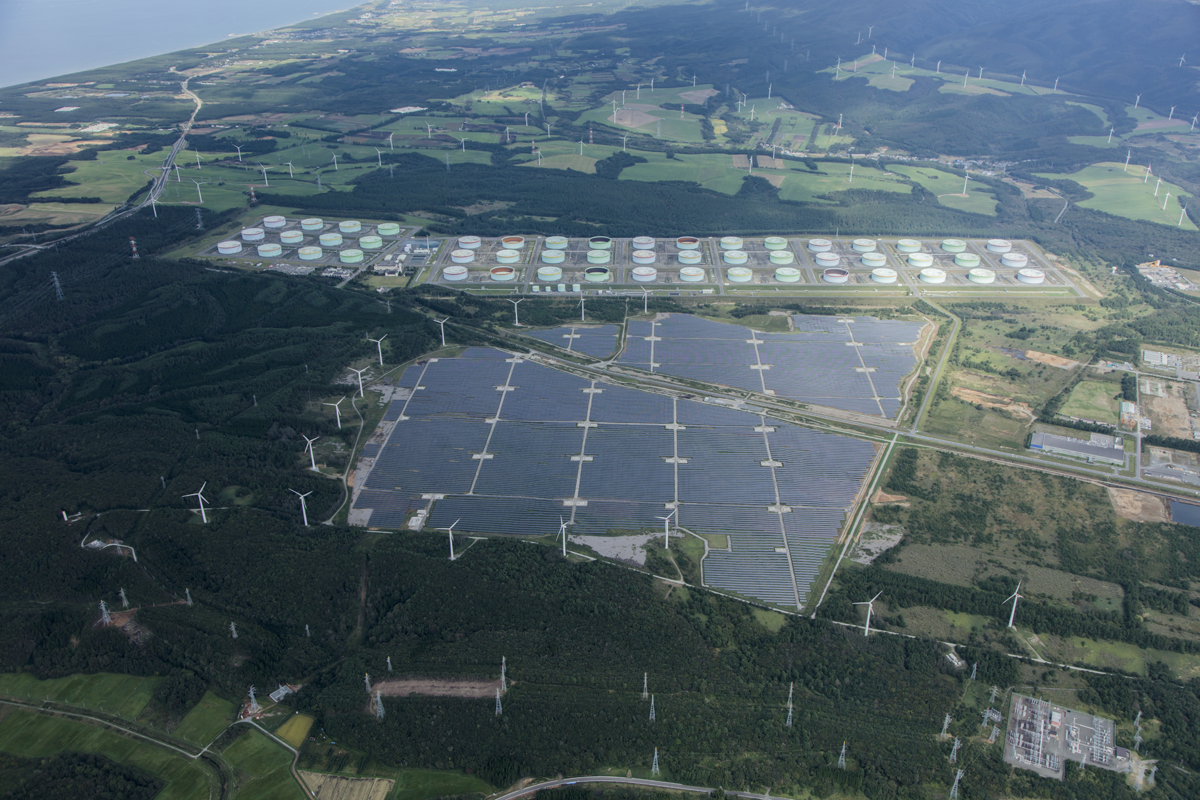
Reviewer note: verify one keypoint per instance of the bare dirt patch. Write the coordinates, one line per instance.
(697, 96)
(631, 118)
(10, 208)
(774, 180)
(1138, 506)
(1159, 123)
(53, 144)
(435, 687)
(741, 162)
(335, 787)
(766, 162)
(1168, 415)
(1051, 360)
(993, 401)
(883, 497)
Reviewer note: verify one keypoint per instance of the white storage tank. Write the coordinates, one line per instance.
(454, 273)
(274, 221)
(731, 243)
(388, 229)
(350, 226)
(782, 257)
(739, 274)
(932, 275)
(469, 242)
(775, 243)
(980, 275)
(687, 243)
(864, 245)
(229, 248)
(312, 224)
(828, 259)
(351, 256)
(968, 260)
(883, 275)
(908, 246)
(920, 260)
(556, 242)
(370, 242)
(508, 256)
(600, 243)
(735, 256)
(270, 250)
(999, 245)
(330, 239)
(512, 242)
(691, 274)
(1018, 260)
(645, 274)
(643, 256)
(1031, 276)
(596, 274)
(549, 274)
(554, 257)
(643, 243)
(874, 259)
(599, 256)
(291, 237)
(461, 256)
(253, 234)
(787, 275)
(954, 245)
(820, 245)
(502, 273)
(309, 253)
(690, 256)
(835, 275)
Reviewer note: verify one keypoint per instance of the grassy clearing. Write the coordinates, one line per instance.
(123, 695)
(31, 735)
(206, 720)
(1093, 400)
(804, 185)
(1128, 193)
(295, 730)
(771, 620)
(715, 172)
(421, 784)
(268, 766)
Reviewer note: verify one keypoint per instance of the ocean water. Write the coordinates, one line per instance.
(42, 39)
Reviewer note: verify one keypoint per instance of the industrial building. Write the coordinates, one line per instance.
(1101, 448)
(1042, 737)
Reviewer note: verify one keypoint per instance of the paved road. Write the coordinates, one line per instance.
(680, 787)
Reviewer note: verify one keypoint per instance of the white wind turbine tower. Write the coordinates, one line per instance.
(1182, 214)
(1171, 116)
(312, 456)
(390, 145)
(582, 309)
(379, 346)
(441, 324)
(335, 162)
(1137, 100)
(200, 499)
(239, 149)
(290, 175)
(1156, 185)
(870, 604)
(625, 138)
(1016, 595)
(1147, 175)
(667, 529)
(264, 172)
(198, 185)
(516, 319)
(450, 532)
(1181, 59)
(359, 373)
(645, 301)
(1128, 155)
(379, 156)
(337, 410)
(562, 531)
(1110, 133)
(303, 505)
(197, 154)
(1165, 199)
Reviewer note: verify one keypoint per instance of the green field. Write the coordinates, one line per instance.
(32, 735)
(1127, 194)
(206, 720)
(268, 766)
(421, 784)
(295, 730)
(948, 188)
(122, 695)
(1093, 400)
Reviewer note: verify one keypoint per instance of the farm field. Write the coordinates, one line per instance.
(123, 695)
(32, 735)
(422, 784)
(206, 720)
(267, 763)
(1093, 400)
(295, 730)
(1127, 194)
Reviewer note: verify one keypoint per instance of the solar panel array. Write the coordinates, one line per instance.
(855, 364)
(596, 341)
(509, 446)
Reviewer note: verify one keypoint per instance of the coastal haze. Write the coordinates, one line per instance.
(45, 38)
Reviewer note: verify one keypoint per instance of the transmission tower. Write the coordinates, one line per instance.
(378, 705)
(367, 682)
(974, 668)
(389, 662)
(58, 292)
(954, 752)
(503, 674)
(188, 594)
(788, 724)
(954, 789)
(945, 726)
(499, 708)
(652, 708)
(1137, 739)
(133, 244)
(842, 757)
(645, 685)
(995, 691)
(254, 707)
(654, 766)
(233, 629)
(124, 600)
(307, 632)
(1153, 770)
(995, 733)
(987, 716)
(105, 619)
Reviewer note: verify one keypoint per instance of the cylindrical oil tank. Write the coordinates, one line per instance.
(554, 257)
(312, 224)
(502, 273)
(932, 275)
(735, 256)
(787, 275)
(309, 253)
(291, 237)
(549, 274)
(874, 259)
(229, 248)
(600, 243)
(469, 242)
(920, 260)
(270, 250)
(690, 256)
(454, 273)
(820, 245)
(1018, 260)
(980, 275)
(731, 243)
(508, 256)
(687, 243)
(864, 245)
(351, 256)
(595, 274)
(691, 274)
(512, 242)
(644, 256)
(1031, 276)
(388, 229)
(253, 234)
(462, 256)
(370, 242)
(643, 243)
(883, 275)
(828, 259)
(739, 274)
(330, 239)
(908, 246)
(644, 274)
(783, 257)
(954, 245)
(775, 243)
(999, 245)
(274, 221)
(599, 256)
(968, 260)
(556, 242)
(349, 226)
(835, 275)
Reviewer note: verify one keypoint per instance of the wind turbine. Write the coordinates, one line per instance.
(1022, 77)
(562, 531)
(1156, 185)
(379, 345)
(625, 138)
(1016, 595)
(264, 172)
(667, 529)
(390, 145)
(981, 73)
(200, 499)
(1147, 176)
(239, 149)
(311, 455)
(645, 301)
(335, 162)
(197, 154)
(1165, 199)
(337, 410)
(1110, 133)
(290, 175)
(1181, 59)
(198, 185)
(450, 531)
(379, 156)
(1137, 100)
(303, 507)
(359, 373)
(1171, 116)
(442, 324)
(516, 320)
(581, 147)
(582, 310)
(1128, 155)
(870, 604)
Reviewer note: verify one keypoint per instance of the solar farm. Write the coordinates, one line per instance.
(508, 446)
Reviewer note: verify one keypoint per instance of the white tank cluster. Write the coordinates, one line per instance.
(230, 248)
(999, 245)
(645, 274)
(274, 221)
(1018, 260)
(820, 245)
(883, 275)
(253, 234)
